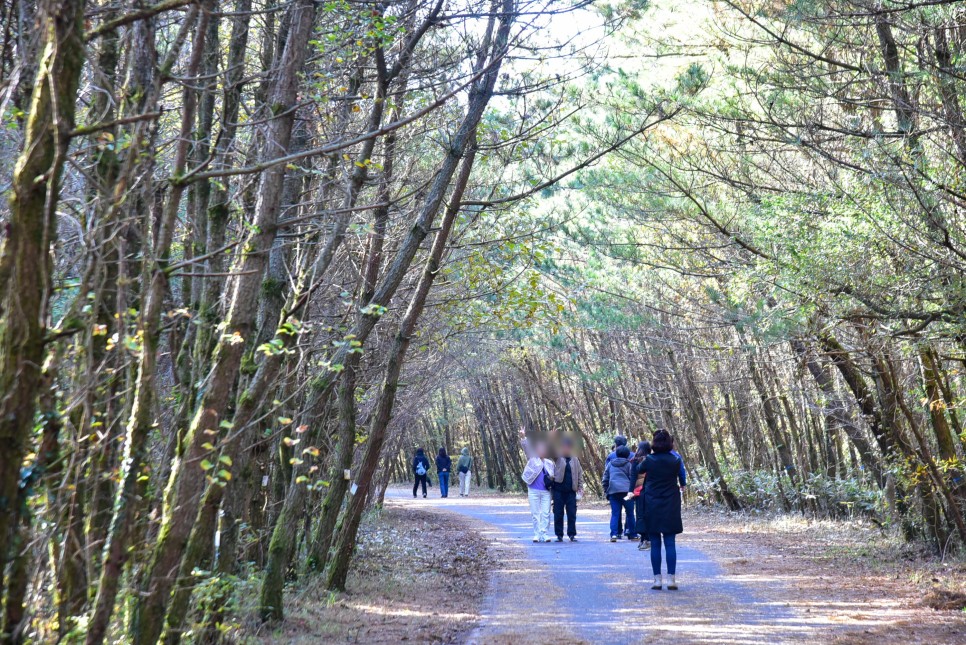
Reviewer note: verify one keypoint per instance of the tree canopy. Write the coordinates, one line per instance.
(255, 253)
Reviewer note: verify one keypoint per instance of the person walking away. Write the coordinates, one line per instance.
(665, 481)
(568, 486)
(464, 468)
(637, 493)
(617, 481)
(538, 476)
(443, 465)
(619, 440)
(420, 470)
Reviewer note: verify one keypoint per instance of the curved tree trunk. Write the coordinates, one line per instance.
(25, 257)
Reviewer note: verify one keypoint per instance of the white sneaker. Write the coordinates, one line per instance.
(658, 583)
(671, 584)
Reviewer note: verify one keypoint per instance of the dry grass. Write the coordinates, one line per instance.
(853, 580)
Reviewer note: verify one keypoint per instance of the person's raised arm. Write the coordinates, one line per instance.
(527, 450)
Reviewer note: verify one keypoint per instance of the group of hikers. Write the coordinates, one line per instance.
(644, 488)
(644, 491)
(444, 466)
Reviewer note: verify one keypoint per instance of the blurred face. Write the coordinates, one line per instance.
(566, 449)
(540, 448)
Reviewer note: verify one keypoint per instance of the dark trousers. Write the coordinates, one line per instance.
(564, 500)
(419, 478)
(444, 484)
(617, 504)
(670, 550)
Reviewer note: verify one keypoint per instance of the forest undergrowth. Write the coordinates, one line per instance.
(418, 576)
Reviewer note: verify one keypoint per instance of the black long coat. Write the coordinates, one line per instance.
(662, 494)
(640, 526)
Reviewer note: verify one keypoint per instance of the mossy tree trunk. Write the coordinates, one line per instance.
(25, 257)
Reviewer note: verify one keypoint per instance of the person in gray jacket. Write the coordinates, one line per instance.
(464, 468)
(618, 480)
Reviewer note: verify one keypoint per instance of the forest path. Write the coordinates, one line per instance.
(595, 591)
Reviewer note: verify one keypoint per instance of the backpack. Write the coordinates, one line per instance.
(420, 468)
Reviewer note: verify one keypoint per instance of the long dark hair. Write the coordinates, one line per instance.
(663, 441)
(643, 450)
(442, 451)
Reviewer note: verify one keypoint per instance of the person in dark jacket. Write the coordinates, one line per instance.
(420, 470)
(443, 466)
(619, 440)
(665, 480)
(637, 493)
(568, 487)
(617, 481)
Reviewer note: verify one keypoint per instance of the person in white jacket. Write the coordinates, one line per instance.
(538, 476)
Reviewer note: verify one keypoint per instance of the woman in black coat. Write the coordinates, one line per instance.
(666, 479)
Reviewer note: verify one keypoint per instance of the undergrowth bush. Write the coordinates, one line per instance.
(817, 494)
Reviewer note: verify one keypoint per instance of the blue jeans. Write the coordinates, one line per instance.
(672, 553)
(444, 484)
(617, 503)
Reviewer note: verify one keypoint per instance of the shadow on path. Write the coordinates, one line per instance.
(596, 591)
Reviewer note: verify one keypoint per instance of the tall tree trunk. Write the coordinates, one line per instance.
(339, 569)
(142, 417)
(936, 403)
(187, 480)
(836, 414)
(25, 256)
(699, 423)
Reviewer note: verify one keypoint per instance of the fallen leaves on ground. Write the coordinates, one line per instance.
(863, 583)
(418, 576)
